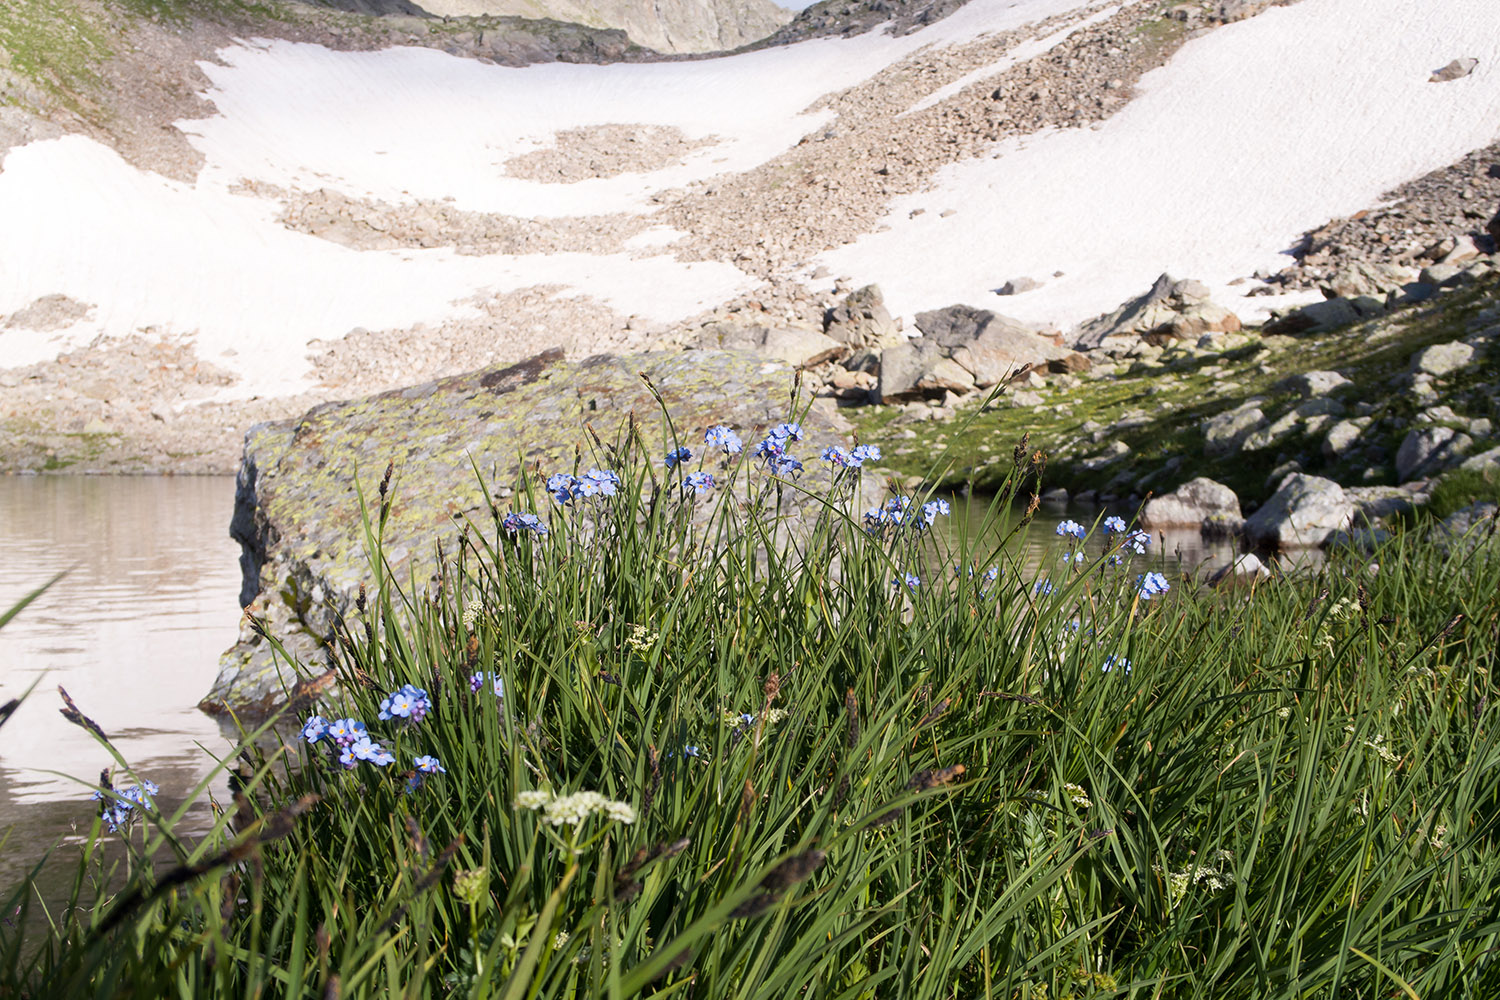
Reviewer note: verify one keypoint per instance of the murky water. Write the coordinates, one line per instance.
(133, 631)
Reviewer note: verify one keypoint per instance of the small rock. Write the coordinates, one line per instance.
(1317, 316)
(1056, 496)
(1247, 565)
(1015, 286)
(1429, 450)
(1311, 384)
(1070, 364)
(1376, 503)
(1226, 431)
(1456, 70)
(1440, 275)
(1116, 451)
(1482, 461)
(1442, 359)
(1341, 437)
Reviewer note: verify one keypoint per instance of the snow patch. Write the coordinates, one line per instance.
(1249, 136)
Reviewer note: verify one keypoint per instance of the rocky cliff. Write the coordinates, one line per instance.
(669, 26)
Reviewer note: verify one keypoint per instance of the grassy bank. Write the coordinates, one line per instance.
(1156, 406)
(675, 747)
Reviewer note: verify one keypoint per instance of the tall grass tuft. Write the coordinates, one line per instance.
(756, 742)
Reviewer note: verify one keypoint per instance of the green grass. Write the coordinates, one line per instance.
(51, 44)
(1175, 396)
(1290, 792)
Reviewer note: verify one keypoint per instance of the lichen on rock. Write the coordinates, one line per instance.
(306, 485)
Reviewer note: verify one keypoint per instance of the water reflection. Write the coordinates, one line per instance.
(133, 632)
(1172, 551)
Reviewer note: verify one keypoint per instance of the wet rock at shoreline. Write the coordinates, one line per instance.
(1200, 503)
(1303, 513)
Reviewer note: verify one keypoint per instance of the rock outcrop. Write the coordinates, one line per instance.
(1171, 310)
(986, 345)
(297, 504)
(668, 26)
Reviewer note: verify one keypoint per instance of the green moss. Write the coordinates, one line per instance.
(56, 47)
(1462, 487)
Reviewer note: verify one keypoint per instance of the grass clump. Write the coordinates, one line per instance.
(648, 744)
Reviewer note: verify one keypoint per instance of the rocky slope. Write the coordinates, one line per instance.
(669, 26)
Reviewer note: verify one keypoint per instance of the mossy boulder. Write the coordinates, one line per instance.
(298, 514)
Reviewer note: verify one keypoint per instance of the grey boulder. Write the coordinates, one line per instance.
(1303, 513)
(1199, 503)
(1429, 450)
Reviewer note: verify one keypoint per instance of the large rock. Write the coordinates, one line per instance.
(1171, 310)
(1317, 316)
(1429, 450)
(862, 320)
(663, 25)
(1304, 513)
(1360, 278)
(988, 346)
(799, 347)
(1198, 503)
(917, 370)
(297, 514)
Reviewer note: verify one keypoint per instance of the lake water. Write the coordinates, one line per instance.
(135, 628)
(133, 631)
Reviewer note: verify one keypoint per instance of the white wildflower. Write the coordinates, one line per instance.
(641, 638)
(1283, 713)
(574, 809)
(472, 611)
(619, 812)
(1078, 796)
(533, 799)
(1344, 610)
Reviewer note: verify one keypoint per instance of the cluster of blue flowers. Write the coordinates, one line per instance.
(678, 456)
(565, 488)
(772, 449)
(1135, 540)
(409, 702)
(353, 740)
(497, 683)
(723, 438)
(1152, 584)
(843, 458)
(1071, 529)
(911, 580)
(426, 766)
(896, 512)
(116, 811)
(698, 482)
(1114, 662)
(521, 521)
